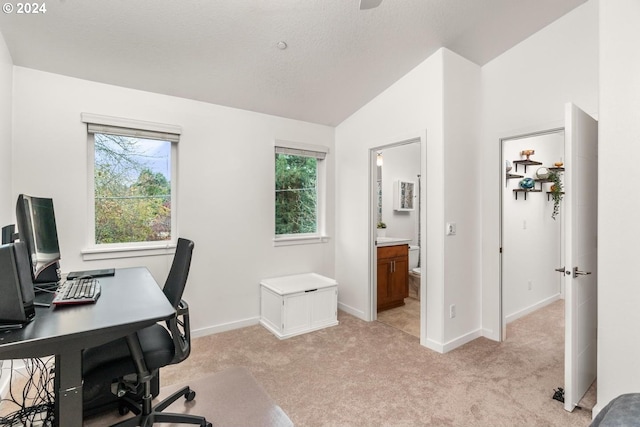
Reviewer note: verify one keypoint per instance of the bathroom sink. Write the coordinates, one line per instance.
(392, 241)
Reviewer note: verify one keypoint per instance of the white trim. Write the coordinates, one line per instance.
(224, 327)
(545, 302)
(289, 240)
(301, 146)
(121, 122)
(461, 340)
(127, 251)
(352, 311)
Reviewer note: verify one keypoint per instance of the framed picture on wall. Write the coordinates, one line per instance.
(404, 195)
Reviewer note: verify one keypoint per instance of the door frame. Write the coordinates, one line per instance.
(539, 131)
(373, 274)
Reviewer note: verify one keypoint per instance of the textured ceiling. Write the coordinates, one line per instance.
(225, 51)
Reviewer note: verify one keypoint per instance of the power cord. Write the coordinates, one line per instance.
(36, 404)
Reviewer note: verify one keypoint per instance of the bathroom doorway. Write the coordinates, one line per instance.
(397, 220)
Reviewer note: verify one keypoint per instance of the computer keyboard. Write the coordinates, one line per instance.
(78, 291)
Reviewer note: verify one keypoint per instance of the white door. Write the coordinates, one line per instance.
(580, 227)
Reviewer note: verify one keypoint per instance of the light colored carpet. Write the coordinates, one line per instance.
(369, 374)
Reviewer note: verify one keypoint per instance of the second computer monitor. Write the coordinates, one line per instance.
(37, 229)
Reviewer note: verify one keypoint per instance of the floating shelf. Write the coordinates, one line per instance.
(522, 190)
(549, 195)
(511, 176)
(556, 169)
(525, 163)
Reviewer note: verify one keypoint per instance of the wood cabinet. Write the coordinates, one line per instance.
(393, 276)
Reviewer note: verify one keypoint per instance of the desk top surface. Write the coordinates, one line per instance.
(130, 300)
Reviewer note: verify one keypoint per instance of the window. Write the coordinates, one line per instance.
(131, 182)
(299, 193)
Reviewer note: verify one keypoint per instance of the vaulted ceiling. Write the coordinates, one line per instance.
(337, 56)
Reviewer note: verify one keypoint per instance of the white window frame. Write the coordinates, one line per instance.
(320, 236)
(142, 129)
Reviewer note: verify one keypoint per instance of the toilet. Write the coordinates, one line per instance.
(414, 258)
(414, 272)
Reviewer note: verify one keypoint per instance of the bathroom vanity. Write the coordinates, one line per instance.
(393, 273)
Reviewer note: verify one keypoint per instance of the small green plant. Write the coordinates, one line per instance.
(381, 225)
(556, 192)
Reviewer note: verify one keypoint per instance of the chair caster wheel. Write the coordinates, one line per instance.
(123, 410)
(190, 395)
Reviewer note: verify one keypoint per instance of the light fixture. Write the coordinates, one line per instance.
(282, 45)
(379, 158)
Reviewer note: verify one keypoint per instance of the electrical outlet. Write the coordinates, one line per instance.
(452, 311)
(451, 229)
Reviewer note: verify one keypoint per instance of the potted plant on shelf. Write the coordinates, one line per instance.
(382, 228)
(556, 192)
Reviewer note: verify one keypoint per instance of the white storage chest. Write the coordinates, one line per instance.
(297, 304)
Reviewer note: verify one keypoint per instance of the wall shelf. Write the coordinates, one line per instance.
(511, 176)
(525, 163)
(522, 190)
(549, 195)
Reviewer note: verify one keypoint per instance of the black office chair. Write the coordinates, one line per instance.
(134, 361)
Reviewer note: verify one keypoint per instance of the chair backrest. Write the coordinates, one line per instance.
(177, 279)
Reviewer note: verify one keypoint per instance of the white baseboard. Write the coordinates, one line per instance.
(210, 330)
(453, 344)
(352, 311)
(532, 308)
(462, 340)
(432, 345)
(596, 410)
(490, 334)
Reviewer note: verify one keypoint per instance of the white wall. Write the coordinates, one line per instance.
(531, 238)
(403, 111)
(400, 163)
(525, 89)
(462, 196)
(618, 226)
(225, 186)
(6, 84)
(441, 95)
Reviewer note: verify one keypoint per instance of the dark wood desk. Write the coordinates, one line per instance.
(130, 300)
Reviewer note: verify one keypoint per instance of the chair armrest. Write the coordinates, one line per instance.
(180, 332)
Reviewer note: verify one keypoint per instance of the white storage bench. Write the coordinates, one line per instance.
(297, 304)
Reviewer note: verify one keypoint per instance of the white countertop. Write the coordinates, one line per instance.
(392, 241)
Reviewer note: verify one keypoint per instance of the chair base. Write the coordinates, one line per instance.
(147, 418)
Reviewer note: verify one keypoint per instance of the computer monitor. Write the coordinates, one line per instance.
(37, 229)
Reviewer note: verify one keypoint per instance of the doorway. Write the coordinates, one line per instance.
(531, 235)
(397, 201)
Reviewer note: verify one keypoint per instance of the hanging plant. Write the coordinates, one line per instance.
(556, 192)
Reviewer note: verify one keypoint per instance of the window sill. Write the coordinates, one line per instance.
(299, 240)
(113, 252)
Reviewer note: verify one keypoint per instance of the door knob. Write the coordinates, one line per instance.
(560, 270)
(577, 272)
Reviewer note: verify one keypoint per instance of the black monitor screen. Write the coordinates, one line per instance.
(37, 228)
